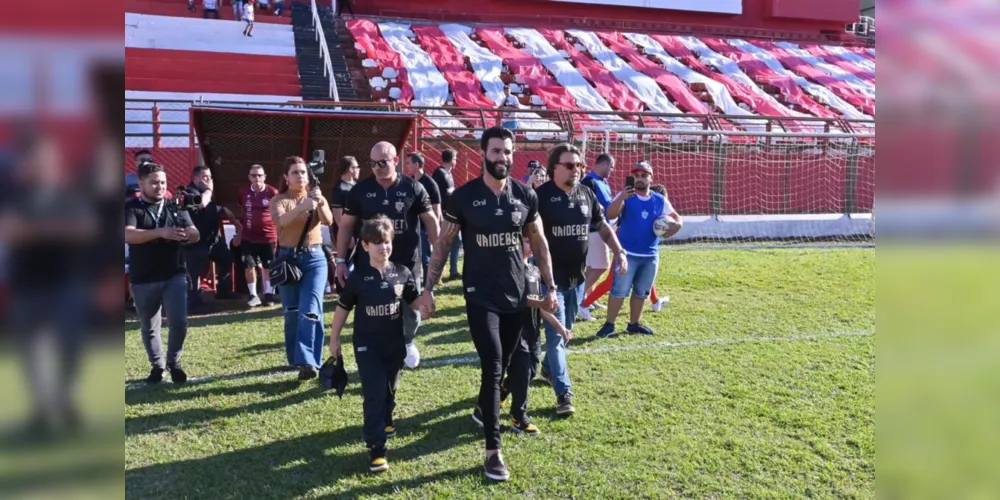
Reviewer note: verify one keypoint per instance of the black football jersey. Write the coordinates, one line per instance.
(492, 228)
(377, 300)
(568, 219)
(403, 202)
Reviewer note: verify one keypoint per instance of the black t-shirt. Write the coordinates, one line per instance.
(533, 289)
(378, 319)
(338, 199)
(206, 220)
(446, 185)
(49, 260)
(492, 228)
(433, 192)
(568, 219)
(403, 203)
(157, 260)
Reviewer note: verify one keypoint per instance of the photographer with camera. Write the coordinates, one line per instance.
(198, 201)
(156, 230)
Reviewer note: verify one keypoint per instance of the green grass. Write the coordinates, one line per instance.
(779, 403)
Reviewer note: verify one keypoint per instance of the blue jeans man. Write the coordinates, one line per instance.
(554, 367)
(425, 254)
(303, 305)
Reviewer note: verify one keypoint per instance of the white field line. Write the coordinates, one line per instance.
(466, 360)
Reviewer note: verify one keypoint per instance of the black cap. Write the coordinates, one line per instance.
(332, 375)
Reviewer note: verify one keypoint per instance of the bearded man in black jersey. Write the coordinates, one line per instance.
(493, 213)
(569, 210)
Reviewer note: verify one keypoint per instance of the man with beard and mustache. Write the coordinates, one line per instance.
(493, 213)
(157, 270)
(637, 210)
(568, 210)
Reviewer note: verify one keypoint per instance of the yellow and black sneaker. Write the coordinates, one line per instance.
(524, 426)
(377, 459)
(504, 393)
(390, 432)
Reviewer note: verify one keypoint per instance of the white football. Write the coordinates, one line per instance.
(665, 227)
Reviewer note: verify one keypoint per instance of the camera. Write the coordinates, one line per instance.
(316, 167)
(186, 198)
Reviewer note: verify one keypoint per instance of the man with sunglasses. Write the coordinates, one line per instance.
(259, 235)
(404, 201)
(636, 210)
(569, 210)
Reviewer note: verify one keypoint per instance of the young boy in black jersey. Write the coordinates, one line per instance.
(524, 362)
(377, 290)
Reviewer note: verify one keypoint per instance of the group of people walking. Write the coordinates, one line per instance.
(395, 234)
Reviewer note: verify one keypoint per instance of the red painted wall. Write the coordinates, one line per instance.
(802, 16)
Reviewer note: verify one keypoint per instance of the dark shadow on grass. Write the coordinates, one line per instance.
(139, 385)
(203, 416)
(294, 467)
(226, 312)
(265, 389)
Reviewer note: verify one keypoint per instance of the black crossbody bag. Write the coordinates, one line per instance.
(284, 270)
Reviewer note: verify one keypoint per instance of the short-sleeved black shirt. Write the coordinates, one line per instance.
(492, 228)
(403, 203)
(44, 263)
(157, 260)
(568, 219)
(206, 220)
(338, 199)
(377, 300)
(433, 192)
(446, 185)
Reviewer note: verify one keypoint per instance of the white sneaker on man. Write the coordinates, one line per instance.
(583, 314)
(412, 356)
(660, 304)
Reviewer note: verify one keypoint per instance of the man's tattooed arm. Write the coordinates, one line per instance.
(439, 256)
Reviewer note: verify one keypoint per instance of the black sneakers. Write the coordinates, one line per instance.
(564, 405)
(306, 373)
(177, 374)
(524, 426)
(639, 329)
(606, 331)
(496, 469)
(155, 375)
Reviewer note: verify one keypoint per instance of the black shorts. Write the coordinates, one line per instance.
(257, 254)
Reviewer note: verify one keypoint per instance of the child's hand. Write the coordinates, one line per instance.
(567, 335)
(334, 346)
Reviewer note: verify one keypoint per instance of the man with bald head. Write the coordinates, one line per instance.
(403, 201)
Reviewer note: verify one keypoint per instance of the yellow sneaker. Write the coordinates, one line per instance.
(524, 426)
(390, 432)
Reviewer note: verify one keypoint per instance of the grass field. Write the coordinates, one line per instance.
(760, 382)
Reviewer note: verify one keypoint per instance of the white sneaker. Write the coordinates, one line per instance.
(254, 301)
(598, 305)
(412, 356)
(660, 304)
(584, 314)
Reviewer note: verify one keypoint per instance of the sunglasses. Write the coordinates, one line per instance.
(379, 163)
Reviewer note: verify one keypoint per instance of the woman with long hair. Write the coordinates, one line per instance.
(300, 207)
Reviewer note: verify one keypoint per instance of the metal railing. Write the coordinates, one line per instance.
(324, 53)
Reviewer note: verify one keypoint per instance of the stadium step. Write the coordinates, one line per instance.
(315, 86)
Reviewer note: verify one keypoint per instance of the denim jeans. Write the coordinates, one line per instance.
(150, 300)
(455, 247)
(555, 347)
(638, 279)
(425, 252)
(303, 306)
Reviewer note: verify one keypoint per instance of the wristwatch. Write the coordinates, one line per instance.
(340, 260)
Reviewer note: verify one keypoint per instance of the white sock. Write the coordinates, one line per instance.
(267, 287)
(253, 289)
